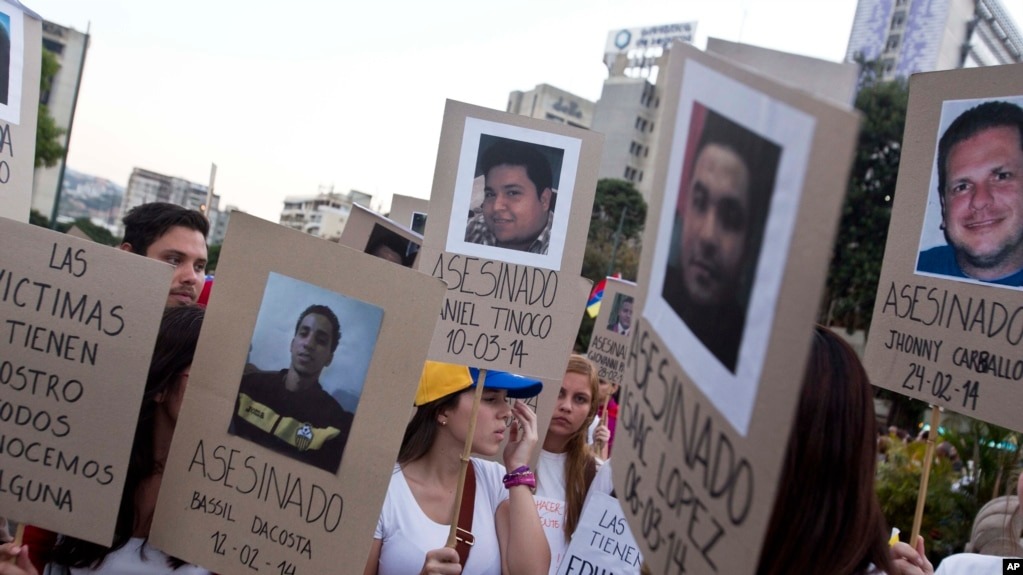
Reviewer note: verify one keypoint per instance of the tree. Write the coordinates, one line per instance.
(859, 248)
(613, 197)
(49, 150)
(616, 204)
(98, 234)
(212, 257)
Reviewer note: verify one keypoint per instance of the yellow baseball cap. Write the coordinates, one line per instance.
(442, 379)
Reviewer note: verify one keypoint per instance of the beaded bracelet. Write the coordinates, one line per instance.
(520, 476)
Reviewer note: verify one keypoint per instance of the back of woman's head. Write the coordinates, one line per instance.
(826, 517)
(172, 354)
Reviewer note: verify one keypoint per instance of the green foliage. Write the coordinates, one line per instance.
(948, 515)
(49, 151)
(213, 256)
(950, 507)
(612, 198)
(37, 219)
(863, 229)
(98, 234)
(993, 450)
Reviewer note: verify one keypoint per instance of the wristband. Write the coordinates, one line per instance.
(520, 476)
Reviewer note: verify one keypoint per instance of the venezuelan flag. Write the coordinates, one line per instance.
(593, 304)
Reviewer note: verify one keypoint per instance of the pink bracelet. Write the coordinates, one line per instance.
(520, 476)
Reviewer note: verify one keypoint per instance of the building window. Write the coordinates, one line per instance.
(55, 47)
(893, 42)
(898, 19)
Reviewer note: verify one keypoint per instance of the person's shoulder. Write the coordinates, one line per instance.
(939, 260)
(261, 378)
(968, 564)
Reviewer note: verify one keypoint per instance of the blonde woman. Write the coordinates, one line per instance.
(567, 468)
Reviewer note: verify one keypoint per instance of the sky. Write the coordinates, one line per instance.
(288, 97)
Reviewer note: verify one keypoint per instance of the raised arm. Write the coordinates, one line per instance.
(524, 548)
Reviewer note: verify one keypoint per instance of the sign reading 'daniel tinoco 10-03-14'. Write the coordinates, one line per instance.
(626, 39)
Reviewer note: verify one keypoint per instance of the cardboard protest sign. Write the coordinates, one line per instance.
(603, 541)
(19, 98)
(410, 212)
(716, 360)
(612, 330)
(78, 325)
(374, 234)
(268, 475)
(948, 318)
(835, 81)
(511, 259)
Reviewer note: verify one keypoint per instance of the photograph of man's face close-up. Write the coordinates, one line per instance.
(718, 232)
(979, 169)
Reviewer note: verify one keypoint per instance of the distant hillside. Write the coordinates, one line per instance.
(86, 196)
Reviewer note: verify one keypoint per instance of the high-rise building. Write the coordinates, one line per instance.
(910, 36)
(629, 102)
(324, 214)
(145, 186)
(549, 103)
(69, 46)
(627, 115)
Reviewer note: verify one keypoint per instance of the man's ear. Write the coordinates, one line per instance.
(125, 247)
(329, 359)
(545, 199)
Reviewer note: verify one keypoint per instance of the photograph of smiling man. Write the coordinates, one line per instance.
(974, 231)
(718, 231)
(520, 182)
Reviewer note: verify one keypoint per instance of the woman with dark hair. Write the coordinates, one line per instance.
(567, 467)
(161, 402)
(826, 516)
(415, 520)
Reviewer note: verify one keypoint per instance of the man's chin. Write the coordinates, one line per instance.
(179, 300)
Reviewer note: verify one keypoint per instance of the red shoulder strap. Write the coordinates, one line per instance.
(464, 539)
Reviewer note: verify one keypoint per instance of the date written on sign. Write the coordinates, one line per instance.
(941, 385)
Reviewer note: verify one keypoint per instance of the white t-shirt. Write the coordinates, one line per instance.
(970, 564)
(592, 428)
(550, 499)
(406, 533)
(129, 561)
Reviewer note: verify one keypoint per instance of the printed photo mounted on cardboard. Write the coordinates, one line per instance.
(621, 314)
(12, 55)
(736, 168)
(513, 194)
(391, 246)
(973, 222)
(307, 364)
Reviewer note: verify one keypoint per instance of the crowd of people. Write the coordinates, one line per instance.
(828, 521)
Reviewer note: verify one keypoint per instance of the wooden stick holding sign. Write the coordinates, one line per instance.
(921, 497)
(466, 453)
(599, 445)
